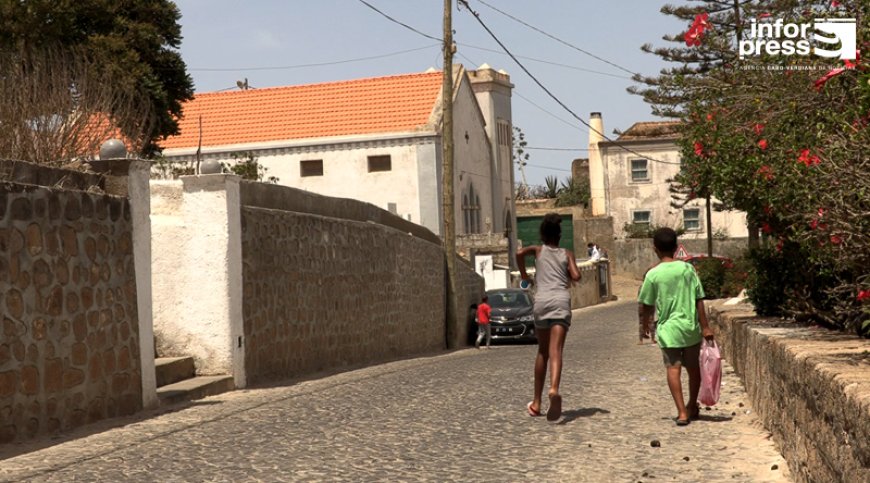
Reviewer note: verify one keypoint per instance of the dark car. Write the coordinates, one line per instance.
(511, 317)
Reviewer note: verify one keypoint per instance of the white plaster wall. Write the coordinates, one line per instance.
(345, 169)
(196, 262)
(429, 171)
(624, 195)
(472, 155)
(140, 207)
(496, 106)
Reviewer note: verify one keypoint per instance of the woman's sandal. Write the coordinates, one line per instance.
(682, 422)
(532, 412)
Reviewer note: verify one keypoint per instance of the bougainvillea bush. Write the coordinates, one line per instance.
(787, 140)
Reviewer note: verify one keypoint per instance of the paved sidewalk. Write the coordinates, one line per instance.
(453, 417)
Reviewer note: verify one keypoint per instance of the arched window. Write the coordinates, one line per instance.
(471, 210)
(466, 217)
(477, 226)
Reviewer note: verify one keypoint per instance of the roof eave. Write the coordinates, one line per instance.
(424, 132)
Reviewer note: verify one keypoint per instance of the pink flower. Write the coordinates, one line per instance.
(758, 128)
(696, 31)
(821, 81)
(699, 149)
(808, 159)
(762, 144)
(836, 240)
(765, 227)
(863, 295)
(766, 173)
(835, 4)
(821, 212)
(764, 15)
(779, 245)
(814, 224)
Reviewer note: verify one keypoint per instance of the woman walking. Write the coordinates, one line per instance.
(555, 268)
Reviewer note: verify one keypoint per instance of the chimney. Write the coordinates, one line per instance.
(596, 165)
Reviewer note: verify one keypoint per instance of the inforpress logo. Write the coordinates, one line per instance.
(844, 32)
(779, 38)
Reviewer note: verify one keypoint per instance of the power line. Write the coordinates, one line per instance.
(545, 111)
(316, 64)
(547, 167)
(557, 39)
(486, 49)
(550, 62)
(555, 149)
(391, 19)
(549, 93)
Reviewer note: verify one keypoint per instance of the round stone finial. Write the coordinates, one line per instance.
(210, 166)
(113, 149)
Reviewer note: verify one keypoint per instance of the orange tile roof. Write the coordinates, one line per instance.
(361, 106)
(651, 130)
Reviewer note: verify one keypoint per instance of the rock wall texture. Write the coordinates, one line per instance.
(810, 387)
(69, 352)
(589, 290)
(322, 292)
(632, 257)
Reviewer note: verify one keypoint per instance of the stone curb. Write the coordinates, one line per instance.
(810, 388)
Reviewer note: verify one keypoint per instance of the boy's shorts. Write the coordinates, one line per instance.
(546, 324)
(688, 357)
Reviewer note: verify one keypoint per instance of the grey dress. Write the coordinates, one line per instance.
(552, 299)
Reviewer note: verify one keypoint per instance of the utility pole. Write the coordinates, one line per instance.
(448, 211)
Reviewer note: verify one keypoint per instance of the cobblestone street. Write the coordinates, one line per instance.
(452, 417)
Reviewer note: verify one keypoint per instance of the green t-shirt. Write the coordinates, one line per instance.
(673, 288)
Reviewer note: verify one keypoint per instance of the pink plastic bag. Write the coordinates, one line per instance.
(711, 373)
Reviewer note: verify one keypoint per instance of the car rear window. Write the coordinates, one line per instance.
(502, 300)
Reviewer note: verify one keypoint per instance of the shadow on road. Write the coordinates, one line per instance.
(572, 414)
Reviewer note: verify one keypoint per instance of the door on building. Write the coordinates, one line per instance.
(528, 232)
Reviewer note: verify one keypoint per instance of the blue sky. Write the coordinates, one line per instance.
(249, 39)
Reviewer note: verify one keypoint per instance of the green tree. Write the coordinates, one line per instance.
(573, 193)
(785, 139)
(521, 158)
(248, 167)
(134, 42)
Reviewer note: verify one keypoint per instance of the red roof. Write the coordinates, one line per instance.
(362, 106)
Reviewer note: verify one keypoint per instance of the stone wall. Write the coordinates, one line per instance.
(330, 282)
(325, 292)
(632, 257)
(495, 244)
(70, 347)
(588, 290)
(809, 386)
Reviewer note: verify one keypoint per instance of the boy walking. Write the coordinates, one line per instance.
(483, 327)
(673, 289)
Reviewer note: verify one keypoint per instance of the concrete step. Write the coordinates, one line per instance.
(173, 369)
(196, 388)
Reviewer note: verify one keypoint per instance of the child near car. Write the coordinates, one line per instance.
(484, 311)
(555, 269)
(673, 289)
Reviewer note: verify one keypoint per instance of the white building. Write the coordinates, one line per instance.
(629, 182)
(377, 140)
